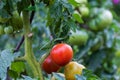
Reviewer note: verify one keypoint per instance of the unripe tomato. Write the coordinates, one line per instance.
(61, 54)
(8, 30)
(78, 37)
(1, 30)
(72, 69)
(84, 11)
(104, 19)
(49, 66)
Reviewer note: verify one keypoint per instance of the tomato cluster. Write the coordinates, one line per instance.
(60, 55)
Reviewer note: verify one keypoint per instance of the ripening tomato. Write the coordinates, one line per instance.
(49, 66)
(71, 69)
(61, 54)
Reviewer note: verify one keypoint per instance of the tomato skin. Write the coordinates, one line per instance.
(72, 69)
(49, 66)
(61, 54)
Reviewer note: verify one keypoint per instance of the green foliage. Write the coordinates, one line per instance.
(52, 22)
(6, 57)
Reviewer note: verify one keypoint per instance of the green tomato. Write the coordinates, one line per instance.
(8, 30)
(104, 19)
(1, 30)
(84, 11)
(78, 37)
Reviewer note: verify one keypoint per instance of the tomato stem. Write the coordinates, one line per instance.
(29, 56)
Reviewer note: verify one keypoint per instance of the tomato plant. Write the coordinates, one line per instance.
(61, 54)
(52, 39)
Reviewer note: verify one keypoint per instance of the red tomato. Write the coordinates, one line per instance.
(49, 66)
(61, 54)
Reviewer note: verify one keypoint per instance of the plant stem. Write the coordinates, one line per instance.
(29, 56)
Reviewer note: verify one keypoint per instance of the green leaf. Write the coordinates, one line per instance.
(73, 2)
(109, 36)
(58, 76)
(1, 4)
(6, 58)
(77, 17)
(24, 3)
(72, 24)
(28, 78)
(84, 49)
(89, 75)
(96, 59)
(18, 66)
(80, 77)
(13, 74)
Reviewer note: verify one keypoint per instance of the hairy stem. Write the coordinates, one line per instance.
(29, 56)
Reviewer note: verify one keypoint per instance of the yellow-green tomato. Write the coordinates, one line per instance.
(71, 69)
(78, 37)
(60, 74)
